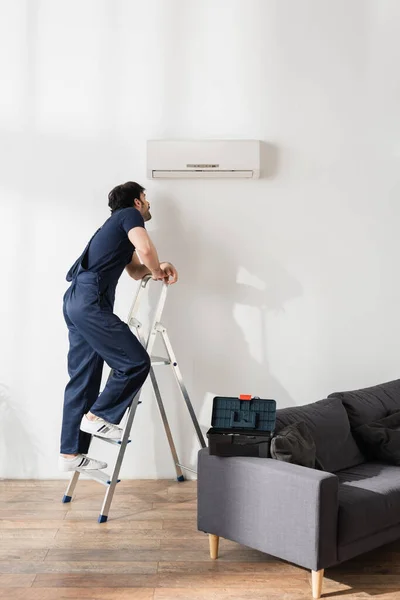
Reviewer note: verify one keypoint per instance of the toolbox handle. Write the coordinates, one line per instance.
(245, 397)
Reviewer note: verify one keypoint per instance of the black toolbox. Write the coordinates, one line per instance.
(241, 426)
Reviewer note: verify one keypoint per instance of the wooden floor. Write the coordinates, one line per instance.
(151, 549)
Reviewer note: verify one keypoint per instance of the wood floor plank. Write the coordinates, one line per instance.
(27, 534)
(31, 495)
(93, 507)
(103, 554)
(9, 580)
(232, 580)
(14, 514)
(78, 509)
(23, 524)
(131, 535)
(167, 513)
(198, 552)
(202, 544)
(117, 525)
(205, 567)
(187, 505)
(77, 594)
(79, 567)
(161, 497)
(104, 542)
(21, 544)
(32, 506)
(87, 580)
(121, 501)
(135, 515)
(185, 524)
(21, 554)
(228, 594)
(85, 543)
(132, 512)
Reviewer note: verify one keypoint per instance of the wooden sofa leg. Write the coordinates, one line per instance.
(214, 543)
(317, 579)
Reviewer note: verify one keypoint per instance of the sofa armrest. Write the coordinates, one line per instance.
(279, 508)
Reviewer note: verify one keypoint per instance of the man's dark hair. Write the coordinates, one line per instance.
(123, 196)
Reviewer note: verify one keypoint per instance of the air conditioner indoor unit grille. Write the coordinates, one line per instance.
(201, 173)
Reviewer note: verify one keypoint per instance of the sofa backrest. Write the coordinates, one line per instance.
(370, 404)
(329, 426)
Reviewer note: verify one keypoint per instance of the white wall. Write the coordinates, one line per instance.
(289, 285)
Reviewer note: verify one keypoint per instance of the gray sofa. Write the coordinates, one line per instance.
(313, 518)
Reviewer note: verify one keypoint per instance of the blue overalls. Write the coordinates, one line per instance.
(96, 335)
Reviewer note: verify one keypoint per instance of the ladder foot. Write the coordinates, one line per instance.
(66, 499)
(102, 518)
(180, 478)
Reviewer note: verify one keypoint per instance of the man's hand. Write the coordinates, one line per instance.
(159, 275)
(171, 273)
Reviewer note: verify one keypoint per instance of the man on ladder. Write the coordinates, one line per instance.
(96, 334)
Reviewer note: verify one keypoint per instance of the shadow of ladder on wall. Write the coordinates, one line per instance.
(156, 329)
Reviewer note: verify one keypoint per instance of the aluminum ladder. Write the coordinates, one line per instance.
(156, 329)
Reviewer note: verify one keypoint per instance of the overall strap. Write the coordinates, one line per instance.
(74, 270)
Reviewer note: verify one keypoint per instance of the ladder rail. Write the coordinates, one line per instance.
(71, 487)
(149, 347)
(114, 478)
(179, 378)
(137, 299)
(156, 319)
(179, 474)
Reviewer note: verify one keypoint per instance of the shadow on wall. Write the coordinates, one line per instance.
(17, 450)
(224, 304)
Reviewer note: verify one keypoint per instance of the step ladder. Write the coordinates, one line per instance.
(156, 330)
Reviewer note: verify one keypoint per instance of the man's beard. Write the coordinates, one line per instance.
(147, 216)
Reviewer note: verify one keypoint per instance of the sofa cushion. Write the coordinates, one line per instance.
(294, 444)
(330, 428)
(380, 440)
(370, 404)
(369, 500)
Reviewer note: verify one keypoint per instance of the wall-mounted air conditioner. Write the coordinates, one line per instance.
(168, 159)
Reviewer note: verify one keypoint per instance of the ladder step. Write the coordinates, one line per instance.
(113, 442)
(160, 360)
(97, 475)
(186, 468)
